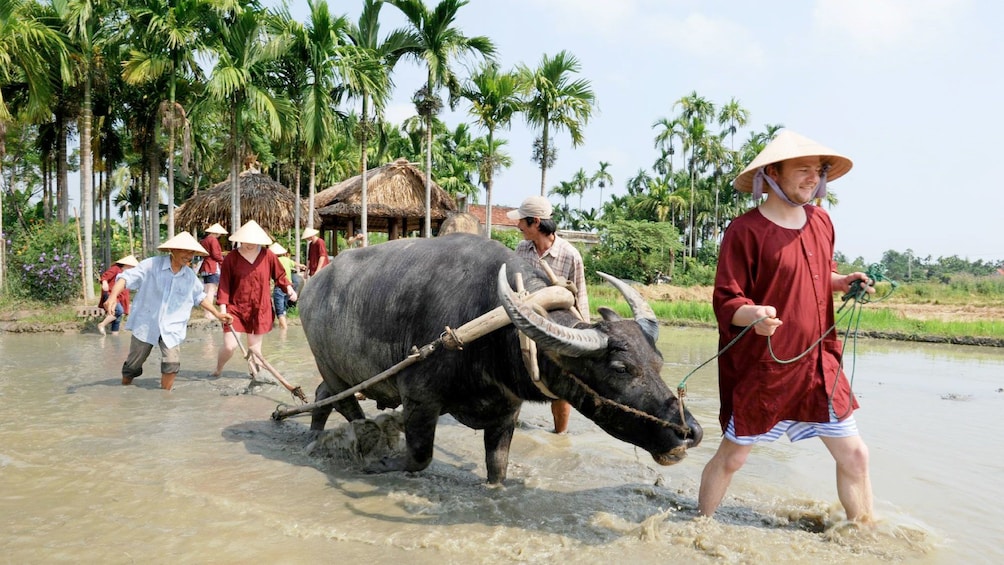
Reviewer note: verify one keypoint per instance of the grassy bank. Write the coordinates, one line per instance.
(887, 319)
(883, 319)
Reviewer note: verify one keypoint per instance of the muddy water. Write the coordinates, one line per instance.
(91, 471)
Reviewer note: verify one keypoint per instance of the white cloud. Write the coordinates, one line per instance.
(877, 25)
(398, 113)
(683, 28)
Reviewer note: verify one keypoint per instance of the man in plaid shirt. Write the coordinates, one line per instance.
(540, 243)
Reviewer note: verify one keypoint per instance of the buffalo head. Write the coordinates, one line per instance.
(610, 372)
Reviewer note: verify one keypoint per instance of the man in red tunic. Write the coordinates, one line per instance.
(776, 272)
(107, 282)
(246, 290)
(209, 271)
(317, 253)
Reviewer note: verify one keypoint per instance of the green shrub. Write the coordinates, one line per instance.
(46, 264)
(509, 238)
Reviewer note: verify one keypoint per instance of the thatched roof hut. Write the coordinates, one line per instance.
(395, 201)
(262, 199)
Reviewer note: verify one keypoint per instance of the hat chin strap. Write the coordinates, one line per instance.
(761, 177)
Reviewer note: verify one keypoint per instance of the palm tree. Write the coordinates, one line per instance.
(167, 37)
(314, 47)
(245, 44)
(366, 36)
(555, 100)
(564, 189)
(494, 98)
(82, 19)
(696, 111)
(671, 129)
(600, 178)
(581, 182)
(439, 42)
(735, 116)
(25, 43)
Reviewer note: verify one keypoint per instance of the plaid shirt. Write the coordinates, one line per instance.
(566, 262)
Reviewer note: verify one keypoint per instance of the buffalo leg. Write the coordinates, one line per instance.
(349, 408)
(498, 438)
(419, 422)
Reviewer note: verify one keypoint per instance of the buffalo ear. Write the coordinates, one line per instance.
(609, 315)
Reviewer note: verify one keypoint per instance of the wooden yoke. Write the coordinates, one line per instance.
(565, 283)
(550, 298)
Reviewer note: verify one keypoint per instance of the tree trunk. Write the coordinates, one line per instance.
(62, 175)
(170, 173)
(108, 216)
(363, 165)
(428, 175)
(489, 181)
(544, 158)
(311, 192)
(235, 183)
(47, 187)
(87, 191)
(299, 221)
(153, 200)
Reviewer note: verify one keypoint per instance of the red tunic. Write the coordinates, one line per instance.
(109, 276)
(215, 257)
(315, 251)
(246, 289)
(789, 269)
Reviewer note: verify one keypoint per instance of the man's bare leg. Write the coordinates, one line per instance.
(717, 475)
(854, 486)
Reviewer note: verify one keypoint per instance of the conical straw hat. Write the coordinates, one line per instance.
(790, 145)
(251, 232)
(309, 232)
(216, 228)
(185, 242)
(129, 260)
(278, 249)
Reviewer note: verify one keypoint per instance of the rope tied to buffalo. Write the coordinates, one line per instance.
(600, 400)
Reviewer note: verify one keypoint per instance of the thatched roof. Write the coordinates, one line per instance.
(395, 192)
(262, 199)
(461, 222)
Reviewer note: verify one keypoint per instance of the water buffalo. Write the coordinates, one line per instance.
(365, 311)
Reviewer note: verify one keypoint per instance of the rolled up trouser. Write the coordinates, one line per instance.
(170, 358)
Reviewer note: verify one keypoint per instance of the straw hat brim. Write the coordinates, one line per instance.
(183, 242)
(277, 249)
(252, 233)
(217, 229)
(128, 260)
(309, 232)
(790, 145)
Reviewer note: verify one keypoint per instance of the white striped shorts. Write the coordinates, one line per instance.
(796, 431)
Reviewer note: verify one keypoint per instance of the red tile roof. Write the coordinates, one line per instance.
(499, 218)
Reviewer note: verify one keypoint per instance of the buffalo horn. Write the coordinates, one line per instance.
(643, 313)
(565, 341)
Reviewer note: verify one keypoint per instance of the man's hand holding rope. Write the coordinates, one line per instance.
(763, 319)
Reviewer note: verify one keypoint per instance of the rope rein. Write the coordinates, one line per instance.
(599, 400)
(857, 296)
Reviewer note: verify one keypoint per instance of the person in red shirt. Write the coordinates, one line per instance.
(317, 253)
(246, 278)
(107, 282)
(776, 272)
(209, 270)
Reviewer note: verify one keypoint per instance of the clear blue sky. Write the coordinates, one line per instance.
(907, 88)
